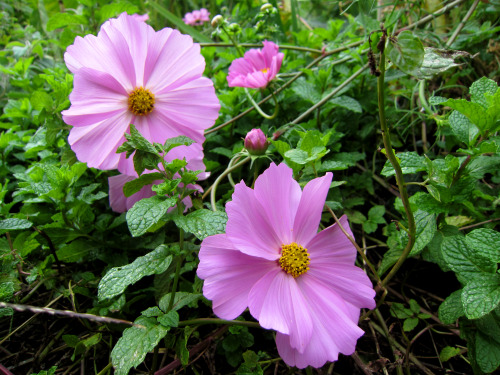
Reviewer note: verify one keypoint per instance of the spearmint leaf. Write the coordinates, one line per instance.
(348, 102)
(59, 20)
(203, 223)
(437, 61)
(132, 347)
(171, 319)
(409, 324)
(473, 111)
(487, 352)
(297, 156)
(410, 162)
(426, 229)
(77, 251)
(462, 128)
(14, 224)
(435, 100)
(117, 279)
(448, 352)
(481, 87)
(466, 262)
(181, 299)
(485, 241)
(451, 309)
(481, 165)
(146, 213)
(481, 296)
(181, 140)
(136, 140)
(132, 187)
(407, 53)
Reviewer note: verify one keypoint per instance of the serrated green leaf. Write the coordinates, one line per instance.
(297, 156)
(203, 223)
(14, 224)
(487, 352)
(132, 187)
(467, 263)
(481, 87)
(117, 279)
(348, 102)
(6, 290)
(410, 162)
(410, 324)
(448, 352)
(407, 53)
(426, 228)
(77, 251)
(170, 319)
(473, 111)
(485, 241)
(390, 257)
(146, 213)
(480, 296)
(132, 347)
(462, 128)
(435, 100)
(451, 309)
(174, 142)
(436, 61)
(181, 299)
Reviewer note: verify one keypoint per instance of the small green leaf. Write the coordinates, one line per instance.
(462, 128)
(203, 223)
(410, 324)
(181, 140)
(59, 20)
(487, 352)
(448, 352)
(77, 251)
(481, 87)
(426, 228)
(297, 156)
(14, 224)
(482, 295)
(407, 53)
(132, 187)
(473, 111)
(437, 61)
(347, 102)
(410, 162)
(451, 309)
(117, 279)
(132, 347)
(181, 299)
(146, 213)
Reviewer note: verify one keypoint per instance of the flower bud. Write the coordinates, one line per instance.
(217, 20)
(256, 142)
(265, 7)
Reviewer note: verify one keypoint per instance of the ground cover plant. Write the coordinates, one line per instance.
(249, 187)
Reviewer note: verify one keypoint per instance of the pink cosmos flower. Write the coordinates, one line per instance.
(129, 73)
(197, 17)
(194, 157)
(257, 68)
(299, 282)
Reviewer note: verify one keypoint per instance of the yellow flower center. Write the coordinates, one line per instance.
(294, 259)
(265, 70)
(141, 101)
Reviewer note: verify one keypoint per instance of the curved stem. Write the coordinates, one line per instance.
(258, 109)
(202, 321)
(219, 179)
(399, 174)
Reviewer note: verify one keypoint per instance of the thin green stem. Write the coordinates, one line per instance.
(256, 45)
(258, 109)
(203, 321)
(389, 151)
(219, 179)
(462, 24)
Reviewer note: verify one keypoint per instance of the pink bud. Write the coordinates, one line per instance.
(256, 142)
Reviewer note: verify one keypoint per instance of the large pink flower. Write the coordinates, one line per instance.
(193, 154)
(197, 17)
(129, 73)
(299, 282)
(257, 68)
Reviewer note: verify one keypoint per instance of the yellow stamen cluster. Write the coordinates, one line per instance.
(294, 259)
(265, 70)
(141, 101)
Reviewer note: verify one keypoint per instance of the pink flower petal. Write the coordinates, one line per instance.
(96, 144)
(229, 275)
(310, 208)
(279, 194)
(334, 330)
(248, 227)
(332, 244)
(277, 303)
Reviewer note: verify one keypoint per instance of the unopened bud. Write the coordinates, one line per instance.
(256, 142)
(217, 20)
(234, 28)
(265, 7)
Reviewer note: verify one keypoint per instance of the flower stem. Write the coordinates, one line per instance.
(219, 179)
(386, 135)
(202, 321)
(258, 109)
